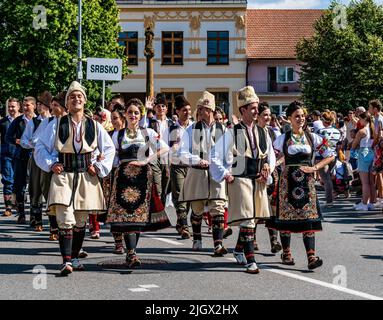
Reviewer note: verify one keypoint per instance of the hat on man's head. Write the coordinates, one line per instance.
(180, 102)
(75, 86)
(45, 98)
(60, 99)
(317, 113)
(360, 109)
(245, 96)
(160, 99)
(207, 100)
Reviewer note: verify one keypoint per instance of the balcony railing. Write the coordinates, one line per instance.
(274, 87)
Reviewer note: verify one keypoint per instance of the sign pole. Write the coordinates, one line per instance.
(103, 93)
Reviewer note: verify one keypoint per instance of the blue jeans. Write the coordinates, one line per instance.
(7, 174)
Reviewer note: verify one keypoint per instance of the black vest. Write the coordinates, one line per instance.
(198, 138)
(63, 130)
(244, 166)
(132, 151)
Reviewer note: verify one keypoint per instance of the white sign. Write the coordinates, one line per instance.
(104, 69)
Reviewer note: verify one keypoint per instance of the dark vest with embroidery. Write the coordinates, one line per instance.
(72, 160)
(300, 158)
(132, 152)
(245, 165)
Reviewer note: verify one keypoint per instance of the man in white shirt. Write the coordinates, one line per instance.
(178, 170)
(28, 141)
(317, 124)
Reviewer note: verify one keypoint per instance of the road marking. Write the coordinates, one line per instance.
(148, 286)
(165, 240)
(324, 284)
(317, 282)
(139, 290)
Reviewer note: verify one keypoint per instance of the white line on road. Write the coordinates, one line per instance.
(148, 286)
(165, 240)
(139, 290)
(318, 282)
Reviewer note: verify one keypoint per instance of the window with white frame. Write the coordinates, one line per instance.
(285, 74)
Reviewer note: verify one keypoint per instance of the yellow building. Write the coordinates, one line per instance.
(199, 45)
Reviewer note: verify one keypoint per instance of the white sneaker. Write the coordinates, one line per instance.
(252, 268)
(240, 257)
(197, 245)
(361, 207)
(77, 265)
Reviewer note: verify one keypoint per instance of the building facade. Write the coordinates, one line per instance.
(199, 45)
(273, 68)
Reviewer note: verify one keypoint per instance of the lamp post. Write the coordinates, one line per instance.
(79, 51)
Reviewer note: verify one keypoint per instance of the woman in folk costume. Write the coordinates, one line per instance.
(298, 209)
(199, 187)
(263, 121)
(119, 123)
(134, 204)
(245, 159)
(71, 146)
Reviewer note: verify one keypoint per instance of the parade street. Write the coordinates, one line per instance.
(350, 246)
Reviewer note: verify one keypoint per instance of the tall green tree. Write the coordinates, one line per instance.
(37, 56)
(343, 62)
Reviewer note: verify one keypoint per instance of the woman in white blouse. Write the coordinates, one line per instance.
(134, 203)
(298, 208)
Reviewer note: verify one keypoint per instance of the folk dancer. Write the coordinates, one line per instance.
(71, 150)
(59, 110)
(244, 158)
(134, 204)
(28, 141)
(298, 209)
(199, 188)
(178, 170)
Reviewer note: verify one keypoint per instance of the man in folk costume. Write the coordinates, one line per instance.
(22, 155)
(199, 188)
(28, 141)
(58, 110)
(244, 158)
(78, 150)
(178, 170)
(161, 170)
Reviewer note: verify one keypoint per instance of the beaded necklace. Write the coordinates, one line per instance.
(131, 134)
(298, 139)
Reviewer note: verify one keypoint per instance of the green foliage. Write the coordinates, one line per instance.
(33, 60)
(343, 67)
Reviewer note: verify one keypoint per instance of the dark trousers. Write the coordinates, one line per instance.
(161, 179)
(20, 181)
(7, 176)
(177, 178)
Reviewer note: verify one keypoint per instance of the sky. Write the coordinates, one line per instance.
(295, 4)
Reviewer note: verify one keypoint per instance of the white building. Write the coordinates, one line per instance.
(199, 45)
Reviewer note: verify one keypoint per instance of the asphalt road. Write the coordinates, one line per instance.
(350, 245)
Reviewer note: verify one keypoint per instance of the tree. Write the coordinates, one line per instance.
(36, 57)
(343, 62)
